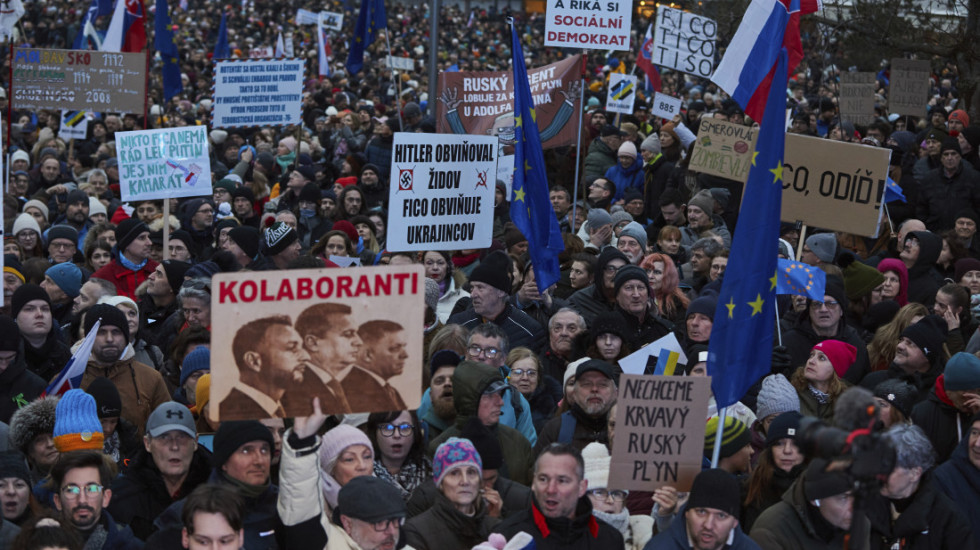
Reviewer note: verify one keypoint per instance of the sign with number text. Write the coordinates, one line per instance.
(665, 106)
(78, 80)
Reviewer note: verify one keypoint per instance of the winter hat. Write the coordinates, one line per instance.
(108, 404)
(636, 231)
(651, 144)
(929, 334)
(776, 397)
(171, 416)
(621, 216)
(24, 294)
(9, 335)
(67, 276)
(34, 419)
(278, 238)
(962, 372)
(879, 314)
(627, 149)
(202, 393)
(370, 499)
(12, 465)
(184, 237)
(783, 426)
(247, 238)
(338, 439)
(859, 278)
(512, 237)
(235, 433)
(226, 184)
(892, 264)
(704, 201)
(25, 221)
(204, 270)
(198, 359)
(960, 116)
(12, 265)
(570, 371)
(965, 265)
(40, 206)
(819, 483)
(444, 358)
(289, 142)
(598, 217)
(597, 462)
(95, 206)
(453, 454)
(704, 305)
(835, 289)
(972, 135)
(110, 316)
(631, 194)
(899, 393)
(20, 154)
(127, 231)
(310, 193)
(734, 437)
(841, 355)
(76, 423)
(432, 294)
(484, 442)
(66, 232)
(348, 229)
(175, 271)
(715, 488)
(595, 365)
(243, 192)
(936, 134)
(629, 273)
(721, 196)
(76, 196)
(609, 322)
(951, 144)
(823, 245)
(490, 271)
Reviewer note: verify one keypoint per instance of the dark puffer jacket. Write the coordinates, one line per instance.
(18, 386)
(959, 479)
(930, 522)
(443, 526)
(581, 532)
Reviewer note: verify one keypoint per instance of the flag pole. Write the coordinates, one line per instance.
(578, 143)
(779, 330)
(716, 451)
(393, 82)
(799, 245)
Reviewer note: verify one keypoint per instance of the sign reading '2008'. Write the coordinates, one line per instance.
(78, 80)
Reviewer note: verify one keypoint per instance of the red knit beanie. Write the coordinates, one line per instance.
(841, 355)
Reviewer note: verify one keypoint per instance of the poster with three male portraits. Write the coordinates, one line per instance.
(352, 337)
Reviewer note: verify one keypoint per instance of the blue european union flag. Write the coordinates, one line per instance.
(893, 192)
(801, 279)
(370, 20)
(740, 350)
(221, 48)
(165, 43)
(530, 207)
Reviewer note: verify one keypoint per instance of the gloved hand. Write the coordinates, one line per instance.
(781, 360)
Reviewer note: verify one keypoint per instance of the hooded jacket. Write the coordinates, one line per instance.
(675, 538)
(18, 386)
(599, 158)
(141, 388)
(942, 422)
(924, 279)
(583, 531)
(591, 300)
(959, 479)
(623, 178)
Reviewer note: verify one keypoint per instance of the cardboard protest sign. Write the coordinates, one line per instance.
(622, 93)
(165, 163)
(255, 92)
(665, 106)
(723, 149)
(684, 41)
(857, 97)
(908, 88)
(588, 24)
(483, 103)
(78, 80)
(347, 336)
(74, 125)
(659, 439)
(442, 192)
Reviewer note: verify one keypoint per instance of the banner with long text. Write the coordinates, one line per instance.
(347, 336)
(78, 80)
(442, 191)
(588, 24)
(483, 102)
(257, 92)
(164, 163)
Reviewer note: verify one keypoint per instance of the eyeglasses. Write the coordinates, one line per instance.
(384, 525)
(530, 373)
(72, 492)
(830, 304)
(602, 494)
(388, 430)
(476, 350)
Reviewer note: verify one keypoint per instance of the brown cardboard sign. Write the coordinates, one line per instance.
(723, 149)
(908, 90)
(659, 438)
(349, 336)
(857, 97)
(78, 80)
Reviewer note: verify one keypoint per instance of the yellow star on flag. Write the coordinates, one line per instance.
(519, 194)
(534, 115)
(731, 307)
(773, 280)
(517, 121)
(777, 172)
(757, 304)
(754, 155)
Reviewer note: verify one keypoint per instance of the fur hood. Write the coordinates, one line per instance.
(31, 421)
(156, 224)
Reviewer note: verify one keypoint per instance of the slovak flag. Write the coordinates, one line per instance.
(645, 60)
(70, 377)
(126, 31)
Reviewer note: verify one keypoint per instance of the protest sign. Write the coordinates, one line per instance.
(78, 80)
(622, 93)
(285, 336)
(331, 20)
(505, 171)
(442, 192)
(400, 63)
(723, 149)
(483, 102)
(74, 125)
(659, 431)
(857, 97)
(908, 90)
(165, 163)
(256, 92)
(665, 106)
(263, 52)
(684, 41)
(588, 24)
(646, 357)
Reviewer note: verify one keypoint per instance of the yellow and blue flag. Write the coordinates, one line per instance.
(370, 20)
(530, 207)
(801, 279)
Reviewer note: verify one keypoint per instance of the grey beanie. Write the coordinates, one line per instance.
(704, 201)
(636, 231)
(824, 245)
(776, 397)
(598, 218)
(651, 144)
(621, 216)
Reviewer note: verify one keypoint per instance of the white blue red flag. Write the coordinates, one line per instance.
(126, 31)
(645, 60)
(70, 377)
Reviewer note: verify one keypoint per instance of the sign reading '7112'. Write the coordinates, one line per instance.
(78, 80)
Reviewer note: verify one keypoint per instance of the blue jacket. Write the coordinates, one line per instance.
(632, 176)
(675, 538)
(522, 423)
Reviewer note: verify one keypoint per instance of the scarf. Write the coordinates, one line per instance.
(620, 521)
(408, 478)
(246, 489)
(285, 161)
(821, 397)
(124, 261)
(462, 261)
(111, 446)
(96, 540)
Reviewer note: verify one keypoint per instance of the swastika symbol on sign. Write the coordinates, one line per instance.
(406, 179)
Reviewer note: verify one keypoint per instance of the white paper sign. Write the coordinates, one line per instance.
(665, 106)
(588, 24)
(257, 92)
(442, 191)
(331, 20)
(622, 93)
(164, 163)
(74, 125)
(684, 41)
(401, 63)
(636, 362)
(258, 53)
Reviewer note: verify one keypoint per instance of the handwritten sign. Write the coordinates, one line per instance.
(665, 106)
(74, 125)
(442, 191)
(659, 431)
(723, 149)
(622, 93)
(857, 97)
(164, 163)
(588, 24)
(78, 80)
(400, 63)
(258, 92)
(684, 41)
(908, 90)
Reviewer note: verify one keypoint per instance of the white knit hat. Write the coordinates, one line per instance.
(597, 461)
(26, 221)
(95, 206)
(776, 397)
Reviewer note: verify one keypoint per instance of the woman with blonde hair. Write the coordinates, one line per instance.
(881, 350)
(819, 382)
(664, 286)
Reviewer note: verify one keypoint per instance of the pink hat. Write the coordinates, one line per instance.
(289, 142)
(841, 355)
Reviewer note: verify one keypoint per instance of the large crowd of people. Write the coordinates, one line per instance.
(510, 446)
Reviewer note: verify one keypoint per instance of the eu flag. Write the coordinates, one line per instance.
(166, 44)
(530, 208)
(370, 20)
(741, 340)
(221, 48)
(800, 279)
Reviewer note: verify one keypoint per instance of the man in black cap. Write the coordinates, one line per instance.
(45, 350)
(18, 385)
(632, 287)
(948, 189)
(281, 246)
(918, 357)
(242, 201)
(160, 301)
(243, 243)
(710, 517)
(182, 246)
(372, 186)
(585, 422)
(131, 263)
(62, 243)
(490, 288)
(76, 215)
(602, 151)
(301, 175)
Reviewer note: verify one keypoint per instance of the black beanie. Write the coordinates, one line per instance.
(66, 232)
(485, 443)
(610, 322)
(819, 483)
(235, 433)
(175, 270)
(310, 193)
(127, 231)
(629, 273)
(494, 270)
(835, 289)
(243, 192)
(27, 293)
(716, 489)
(951, 144)
(185, 237)
(247, 238)
(705, 305)
(929, 334)
(12, 464)
(9, 335)
(108, 404)
(109, 315)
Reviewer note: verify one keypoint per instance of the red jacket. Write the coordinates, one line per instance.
(126, 280)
